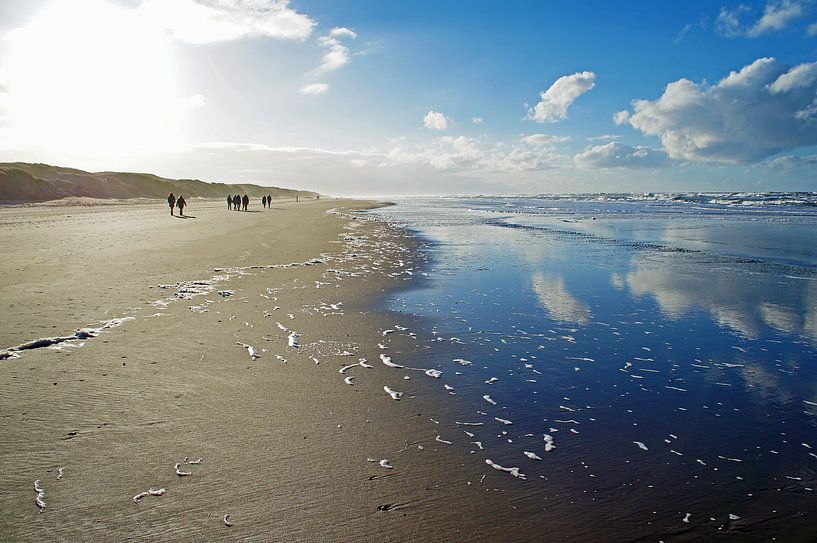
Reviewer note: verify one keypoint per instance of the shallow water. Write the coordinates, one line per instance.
(668, 346)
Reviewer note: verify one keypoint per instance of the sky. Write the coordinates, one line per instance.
(365, 97)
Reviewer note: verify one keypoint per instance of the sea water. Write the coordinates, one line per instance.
(649, 361)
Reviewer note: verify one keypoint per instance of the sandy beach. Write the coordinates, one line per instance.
(290, 445)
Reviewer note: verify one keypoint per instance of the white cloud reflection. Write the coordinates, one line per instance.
(557, 301)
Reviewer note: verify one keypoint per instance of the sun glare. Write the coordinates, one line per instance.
(88, 77)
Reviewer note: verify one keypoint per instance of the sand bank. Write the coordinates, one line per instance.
(236, 328)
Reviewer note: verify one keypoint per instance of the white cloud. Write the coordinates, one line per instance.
(605, 137)
(812, 29)
(337, 54)
(462, 153)
(477, 120)
(201, 22)
(618, 155)
(435, 120)
(342, 32)
(728, 22)
(314, 88)
(776, 16)
(621, 117)
(763, 109)
(682, 34)
(555, 101)
(544, 139)
(791, 162)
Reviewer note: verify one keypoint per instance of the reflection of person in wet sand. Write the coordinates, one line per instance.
(229, 202)
(171, 201)
(180, 203)
(245, 201)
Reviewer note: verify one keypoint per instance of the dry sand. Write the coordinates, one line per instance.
(284, 444)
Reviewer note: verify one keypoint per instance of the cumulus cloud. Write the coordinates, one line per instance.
(554, 102)
(435, 120)
(337, 53)
(776, 16)
(618, 155)
(199, 21)
(314, 88)
(754, 113)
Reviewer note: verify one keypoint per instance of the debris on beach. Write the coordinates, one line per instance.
(181, 473)
(227, 522)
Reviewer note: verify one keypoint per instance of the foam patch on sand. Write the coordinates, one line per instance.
(250, 349)
(39, 501)
(395, 395)
(513, 471)
(148, 492)
(80, 334)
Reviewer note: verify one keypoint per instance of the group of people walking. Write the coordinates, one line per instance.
(234, 202)
(179, 202)
(240, 203)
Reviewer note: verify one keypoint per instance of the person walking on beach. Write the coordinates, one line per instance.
(171, 201)
(269, 201)
(236, 203)
(229, 202)
(264, 201)
(245, 201)
(180, 203)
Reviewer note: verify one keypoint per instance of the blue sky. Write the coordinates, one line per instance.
(372, 97)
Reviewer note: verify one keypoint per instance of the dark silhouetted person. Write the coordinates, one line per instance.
(171, 201)
(264, 201)
(180, 203)
(269, 201)
(229, 202)
(246, 201)
(296, 198)
(236, 203)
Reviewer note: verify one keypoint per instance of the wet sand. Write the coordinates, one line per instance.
(285, 442)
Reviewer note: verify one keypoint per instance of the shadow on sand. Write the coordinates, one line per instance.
(184, 216)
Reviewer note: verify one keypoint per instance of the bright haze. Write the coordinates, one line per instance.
(368, 97)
